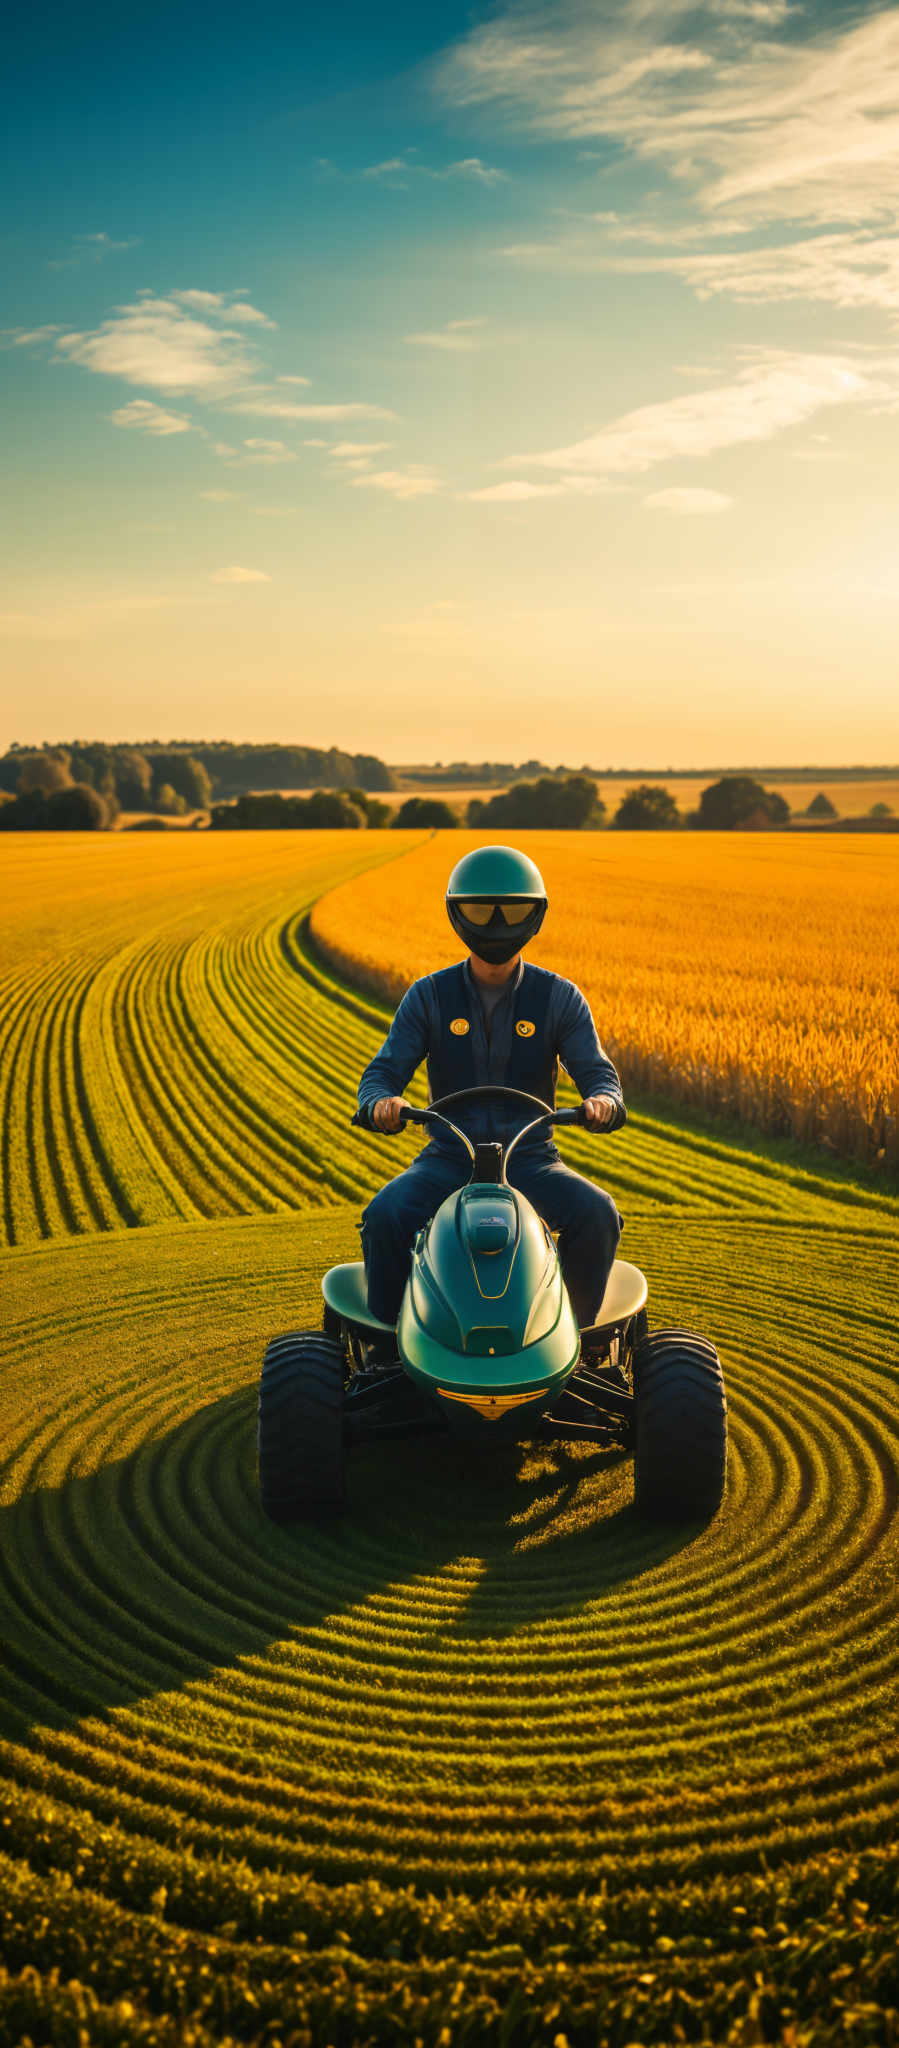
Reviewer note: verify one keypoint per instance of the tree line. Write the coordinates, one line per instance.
(549, 803)
(573, 803)
(86, 784)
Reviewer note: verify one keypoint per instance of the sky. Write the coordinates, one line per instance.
(454, 382)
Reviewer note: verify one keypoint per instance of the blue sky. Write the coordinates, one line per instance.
(457, 382)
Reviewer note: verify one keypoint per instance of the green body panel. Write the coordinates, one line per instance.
(486, 1329)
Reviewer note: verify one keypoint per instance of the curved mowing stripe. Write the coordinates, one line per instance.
(172, 1058)
(487, 1722)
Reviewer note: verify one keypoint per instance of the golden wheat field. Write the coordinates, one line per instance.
(755, 975)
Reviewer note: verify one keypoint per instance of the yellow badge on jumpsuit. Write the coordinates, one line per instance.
(524, 1028)
(459, 1026)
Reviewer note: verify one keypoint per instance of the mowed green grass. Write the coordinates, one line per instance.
(488, 1760)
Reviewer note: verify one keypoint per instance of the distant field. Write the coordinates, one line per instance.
(851, 799)
(126, 820)
(755, 974)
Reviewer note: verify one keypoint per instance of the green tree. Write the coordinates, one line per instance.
(76, 809)
(430, 811)
(46, 771)
(375, 813)
(170, 801)
(26, 813)
(739, 803)
(186, 776)
(324, 810)
(881, 810)
(648, 808)
(570, 803)
(133, 779)
(821, 807)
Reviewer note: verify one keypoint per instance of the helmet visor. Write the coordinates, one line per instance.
(514, 913)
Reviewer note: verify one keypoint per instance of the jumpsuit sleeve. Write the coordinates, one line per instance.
(403, 1050)
(580, 1051)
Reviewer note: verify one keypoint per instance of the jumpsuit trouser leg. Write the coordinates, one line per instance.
(586, 1218)
(393, 1217)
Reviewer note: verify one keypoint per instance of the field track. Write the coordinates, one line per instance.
(488, 1761)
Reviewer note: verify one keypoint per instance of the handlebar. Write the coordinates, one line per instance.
(444, 1102)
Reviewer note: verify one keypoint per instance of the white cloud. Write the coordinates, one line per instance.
(269, 451)
(456, 334)
(18, 337)
(182, 345)
(229, 304)
(352, 448)
(789, 127)
(250, 315)
(161, 343)
(220, 497)
(282, 409)
(851, 270)
(274, 511)
(391, 166)
(150, 418)
(92, 249)
(518, 491)
(775, 390)
(472, 167)
(692, 503)
(414, 482)
(234, 574)
(514, 493)
(398, 168)
(223, 448)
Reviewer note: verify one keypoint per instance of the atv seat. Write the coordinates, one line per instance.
(345, 1292)
(625, 1295)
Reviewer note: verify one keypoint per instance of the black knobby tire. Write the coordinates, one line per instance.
(300, 1427)
(680, 1409)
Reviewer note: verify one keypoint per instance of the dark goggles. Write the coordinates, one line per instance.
(480, 913)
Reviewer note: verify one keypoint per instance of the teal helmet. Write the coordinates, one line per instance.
(496, 901)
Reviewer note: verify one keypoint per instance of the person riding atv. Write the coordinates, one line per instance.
(492, 1019)
(465, 1319)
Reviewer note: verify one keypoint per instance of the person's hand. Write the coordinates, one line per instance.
(599, 1111)
(387, 1113)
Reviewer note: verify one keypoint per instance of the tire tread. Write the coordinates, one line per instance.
(681, 1415)
(300, 1427)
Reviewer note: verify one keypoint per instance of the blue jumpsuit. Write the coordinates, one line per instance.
(539, 1021)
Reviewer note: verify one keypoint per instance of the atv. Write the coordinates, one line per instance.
(486, 1346)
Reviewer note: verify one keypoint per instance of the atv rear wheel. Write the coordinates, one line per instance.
(681, 1426)
(300, 1427)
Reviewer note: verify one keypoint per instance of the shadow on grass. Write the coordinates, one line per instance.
(160, 1569)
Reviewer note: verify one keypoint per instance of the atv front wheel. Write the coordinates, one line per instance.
(300, 1427)
(681, 1426)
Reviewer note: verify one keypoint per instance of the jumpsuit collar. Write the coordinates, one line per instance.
(513, 982)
